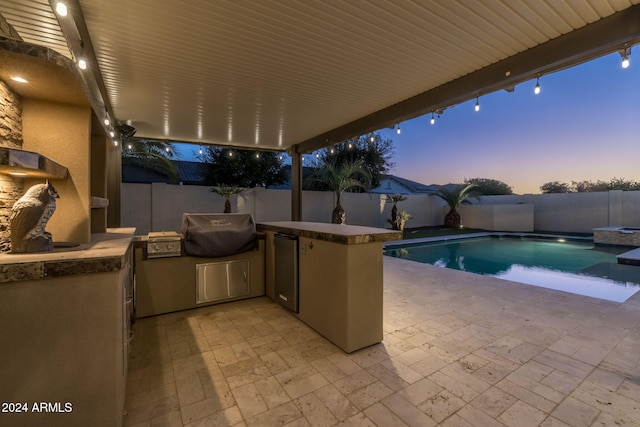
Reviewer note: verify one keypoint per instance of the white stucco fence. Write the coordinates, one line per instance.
(159, 207)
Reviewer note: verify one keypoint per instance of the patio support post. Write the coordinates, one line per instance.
(296, 185)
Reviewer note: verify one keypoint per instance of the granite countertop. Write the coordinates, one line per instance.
(107, 252)
(344, 234)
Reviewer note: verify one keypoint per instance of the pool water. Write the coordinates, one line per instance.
(570, 266)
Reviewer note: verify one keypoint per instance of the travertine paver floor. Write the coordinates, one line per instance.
(459, 350)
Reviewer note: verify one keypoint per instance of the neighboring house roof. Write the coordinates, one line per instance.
(391, 184)
(191, 173)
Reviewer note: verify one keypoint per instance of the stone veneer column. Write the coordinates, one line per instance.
(10, 136)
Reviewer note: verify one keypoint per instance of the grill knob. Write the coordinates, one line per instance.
(156, 247)
(170, 247)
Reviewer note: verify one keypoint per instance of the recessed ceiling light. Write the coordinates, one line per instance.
(19, 79)
(61, 8)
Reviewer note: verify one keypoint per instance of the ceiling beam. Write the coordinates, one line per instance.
(610, 34)
(75, 31)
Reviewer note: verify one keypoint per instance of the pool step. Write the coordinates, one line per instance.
(630, 258)
(617, 272)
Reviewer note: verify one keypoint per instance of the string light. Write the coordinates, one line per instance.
(351, 145)
(82, 63)
(433, 119)
(477, 107)
(332, 150)
(398, 130)
(625, 58)
(372, 138)
(536, 90)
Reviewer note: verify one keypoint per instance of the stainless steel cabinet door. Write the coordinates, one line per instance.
(221, 280)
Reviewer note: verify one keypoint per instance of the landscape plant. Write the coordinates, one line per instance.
(395, 199)
(227, 191)
(401, 219)
(454, 196)
(339, 178)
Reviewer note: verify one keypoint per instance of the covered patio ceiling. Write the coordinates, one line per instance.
(299, 75)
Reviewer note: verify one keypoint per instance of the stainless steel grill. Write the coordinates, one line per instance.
(162, 244)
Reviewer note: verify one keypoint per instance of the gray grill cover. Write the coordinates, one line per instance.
(216, 235)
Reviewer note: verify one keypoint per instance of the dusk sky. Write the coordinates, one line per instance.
(584, 125)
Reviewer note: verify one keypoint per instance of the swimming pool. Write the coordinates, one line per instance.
(571, 266)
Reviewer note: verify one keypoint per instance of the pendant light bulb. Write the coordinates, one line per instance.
(477, 107)
(433, 119)
(107, 122)
(536, 90)
(399, 130)
(82, 64)
(625, 62)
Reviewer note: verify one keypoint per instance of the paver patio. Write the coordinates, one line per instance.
(459, 350)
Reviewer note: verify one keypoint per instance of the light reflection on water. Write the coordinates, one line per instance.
(575, 267)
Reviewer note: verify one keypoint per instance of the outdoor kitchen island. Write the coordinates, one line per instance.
(339, 278)
(65, 328)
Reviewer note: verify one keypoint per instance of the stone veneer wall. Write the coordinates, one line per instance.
(10, 136)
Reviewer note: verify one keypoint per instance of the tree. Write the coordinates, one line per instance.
(242, 168)
(455, 196)
(623, 184)
(153, 155)
(227, 191)
(554, 187)
(489, 187)
(340, 178)
(376, 155)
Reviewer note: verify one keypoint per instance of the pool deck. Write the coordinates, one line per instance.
(459, 349)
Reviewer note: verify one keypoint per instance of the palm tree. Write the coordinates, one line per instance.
(227, 191)
(454, 197)
(395, 199)
(340, 178)
(153, 155)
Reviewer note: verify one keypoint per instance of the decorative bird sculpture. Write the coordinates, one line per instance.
(29, 217)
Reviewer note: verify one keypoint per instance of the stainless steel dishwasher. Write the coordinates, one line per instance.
(286, 260)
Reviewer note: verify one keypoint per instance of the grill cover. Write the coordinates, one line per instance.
(216, 235)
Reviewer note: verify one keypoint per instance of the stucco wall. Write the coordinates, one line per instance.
(159, 207)
(61, 133)
(498, 217)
